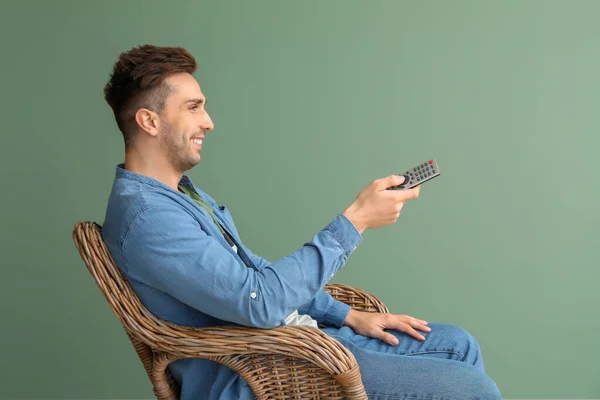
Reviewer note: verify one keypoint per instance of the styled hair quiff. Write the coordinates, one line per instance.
(138, 81)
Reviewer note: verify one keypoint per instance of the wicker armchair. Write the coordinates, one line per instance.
(293, 362)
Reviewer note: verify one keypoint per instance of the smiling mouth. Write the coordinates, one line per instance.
(197, 143)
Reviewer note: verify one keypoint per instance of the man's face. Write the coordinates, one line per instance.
(184, 122)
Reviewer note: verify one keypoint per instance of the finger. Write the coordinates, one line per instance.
(388, 338)
(415, 192)
(413, 319)
(419, 324)
(403, 324)
(405, 195)
(409, 329)
(421, 327)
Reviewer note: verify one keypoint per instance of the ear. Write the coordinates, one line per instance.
(147, 120)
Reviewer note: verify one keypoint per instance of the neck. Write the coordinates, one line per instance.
(154, 167)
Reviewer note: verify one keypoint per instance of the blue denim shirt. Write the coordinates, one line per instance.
(184, 271)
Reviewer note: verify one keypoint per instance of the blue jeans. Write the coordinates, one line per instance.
(447, 365)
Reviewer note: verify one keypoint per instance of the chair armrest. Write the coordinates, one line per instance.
(271, 360)
(303, 342)
(356, 298)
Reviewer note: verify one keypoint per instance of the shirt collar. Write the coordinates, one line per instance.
(121, 172)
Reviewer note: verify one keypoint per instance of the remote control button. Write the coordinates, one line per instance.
(430, 161)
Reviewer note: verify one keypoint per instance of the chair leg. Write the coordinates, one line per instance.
(165, 388)
(144, 352)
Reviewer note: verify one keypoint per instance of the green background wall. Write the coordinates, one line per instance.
(312, 100)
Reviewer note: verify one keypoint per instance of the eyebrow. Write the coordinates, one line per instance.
(197, 101)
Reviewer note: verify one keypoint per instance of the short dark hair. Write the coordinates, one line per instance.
(138, 80)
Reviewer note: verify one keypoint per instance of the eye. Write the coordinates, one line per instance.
(194, 107)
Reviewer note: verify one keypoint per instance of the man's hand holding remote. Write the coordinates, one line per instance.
(375, 206)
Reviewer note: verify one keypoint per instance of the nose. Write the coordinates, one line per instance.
(206, 123)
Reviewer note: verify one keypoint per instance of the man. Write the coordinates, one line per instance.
(183, 256)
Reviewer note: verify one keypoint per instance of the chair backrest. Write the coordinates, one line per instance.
(141, 325)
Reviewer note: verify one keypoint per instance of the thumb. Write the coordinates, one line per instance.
(392, 180)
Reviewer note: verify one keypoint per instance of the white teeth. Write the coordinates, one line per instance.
(199, 141)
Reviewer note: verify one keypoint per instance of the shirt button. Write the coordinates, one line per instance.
(253, 295)
(332, 275)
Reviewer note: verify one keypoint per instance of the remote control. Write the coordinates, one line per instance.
(417, 175)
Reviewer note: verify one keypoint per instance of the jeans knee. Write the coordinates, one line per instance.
(468, 339)
(462, 334)
(481, 388)
(459, 337)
